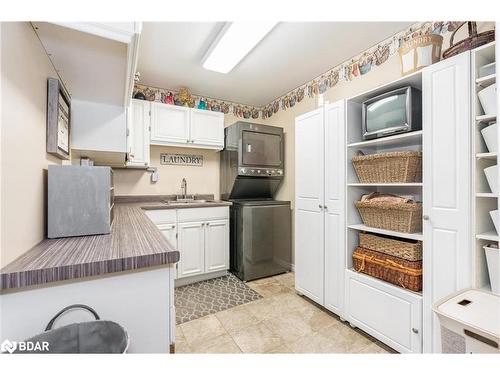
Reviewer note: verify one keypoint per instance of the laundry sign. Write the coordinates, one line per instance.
(181, 159)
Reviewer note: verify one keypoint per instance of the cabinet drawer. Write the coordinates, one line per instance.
(162, 216)
(202, 214)
(389, 313)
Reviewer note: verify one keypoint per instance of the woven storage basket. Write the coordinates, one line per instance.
(409, 250)
(473, 41)
(399, 217)
(401, 166)
(404, 273)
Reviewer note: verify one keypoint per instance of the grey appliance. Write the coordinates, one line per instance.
(252, 162)
(79, 200)
(252, 169)
(260, 238)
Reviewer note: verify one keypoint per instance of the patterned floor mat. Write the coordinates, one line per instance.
(211, 296)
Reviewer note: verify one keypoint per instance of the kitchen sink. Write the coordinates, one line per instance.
(187, 201)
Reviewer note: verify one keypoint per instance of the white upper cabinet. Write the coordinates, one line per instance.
(138, 133)
(207, 128)
(186, 127)
(169, 124)
(446, 174)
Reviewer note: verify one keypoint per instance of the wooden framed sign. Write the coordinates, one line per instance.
(58, 119)
(181, 159)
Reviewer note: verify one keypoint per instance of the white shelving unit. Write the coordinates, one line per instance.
(383, 297)
(484, 200)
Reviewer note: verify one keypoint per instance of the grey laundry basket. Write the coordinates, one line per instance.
(99, 336)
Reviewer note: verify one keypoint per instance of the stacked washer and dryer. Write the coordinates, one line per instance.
(252, 169)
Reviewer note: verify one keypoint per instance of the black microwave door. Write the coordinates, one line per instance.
(261, 149)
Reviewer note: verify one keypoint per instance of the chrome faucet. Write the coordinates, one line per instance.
(184, 187)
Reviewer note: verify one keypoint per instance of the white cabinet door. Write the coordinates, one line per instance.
(387, 312)
(207, 128)
(191, 246)
(138, 133)
(309, 177)
(170, 233)
(446, 174)
(334, 206)
(216, 246)
(169, 124)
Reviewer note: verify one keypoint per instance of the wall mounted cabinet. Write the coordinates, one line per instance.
(138, 130)
(186, 127)
(319, 210)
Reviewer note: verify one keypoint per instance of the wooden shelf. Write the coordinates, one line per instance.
(411, 236)
(486, 81)
(490, 236)
(487, 155)
(486, 195)
(397, 184)
(486, 118)
(405, 139)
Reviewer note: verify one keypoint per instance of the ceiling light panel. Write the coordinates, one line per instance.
(234, 42)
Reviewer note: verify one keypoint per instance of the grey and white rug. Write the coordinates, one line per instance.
(208, 297)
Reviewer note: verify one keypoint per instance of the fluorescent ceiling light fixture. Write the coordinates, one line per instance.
(233, 43)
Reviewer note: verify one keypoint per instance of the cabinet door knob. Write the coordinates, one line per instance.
(326, 207)
(414, 330)
(187, 140)
(426, 217)
(320, 206)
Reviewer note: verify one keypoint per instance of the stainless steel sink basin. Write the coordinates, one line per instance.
(187, 201)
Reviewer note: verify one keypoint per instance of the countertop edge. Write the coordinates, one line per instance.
(22, 279)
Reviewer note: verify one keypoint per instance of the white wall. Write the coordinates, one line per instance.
(25, 68)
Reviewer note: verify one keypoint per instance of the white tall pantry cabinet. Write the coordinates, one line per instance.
(319, 205)
(446, 172)
(327, 222)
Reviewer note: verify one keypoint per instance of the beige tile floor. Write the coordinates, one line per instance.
(281, 322)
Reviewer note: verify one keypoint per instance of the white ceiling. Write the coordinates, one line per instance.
(170, 56)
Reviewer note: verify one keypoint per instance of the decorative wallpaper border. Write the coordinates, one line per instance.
(347, 71)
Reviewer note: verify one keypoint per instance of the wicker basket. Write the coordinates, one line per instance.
(409, 250)
(404, 273)
(401, 166)
(399, 217)
(473, 41)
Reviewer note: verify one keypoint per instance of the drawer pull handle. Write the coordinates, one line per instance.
(483, 339)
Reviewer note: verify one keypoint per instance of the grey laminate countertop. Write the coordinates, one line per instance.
(159, 202)
(134, 243)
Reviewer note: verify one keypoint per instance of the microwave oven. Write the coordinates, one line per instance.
(394, 112)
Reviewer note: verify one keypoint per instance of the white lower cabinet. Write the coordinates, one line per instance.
(391, 314)
(201, 235)
(216, 246)
(191, 247)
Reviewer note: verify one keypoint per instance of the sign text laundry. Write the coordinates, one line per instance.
(181, 159)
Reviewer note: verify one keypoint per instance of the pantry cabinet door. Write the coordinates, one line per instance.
(169, 124)
(309, 190)
(334, 206)
(207, 129)
(138, 125)
(191, 246)
(216, 246)
(446, 177)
